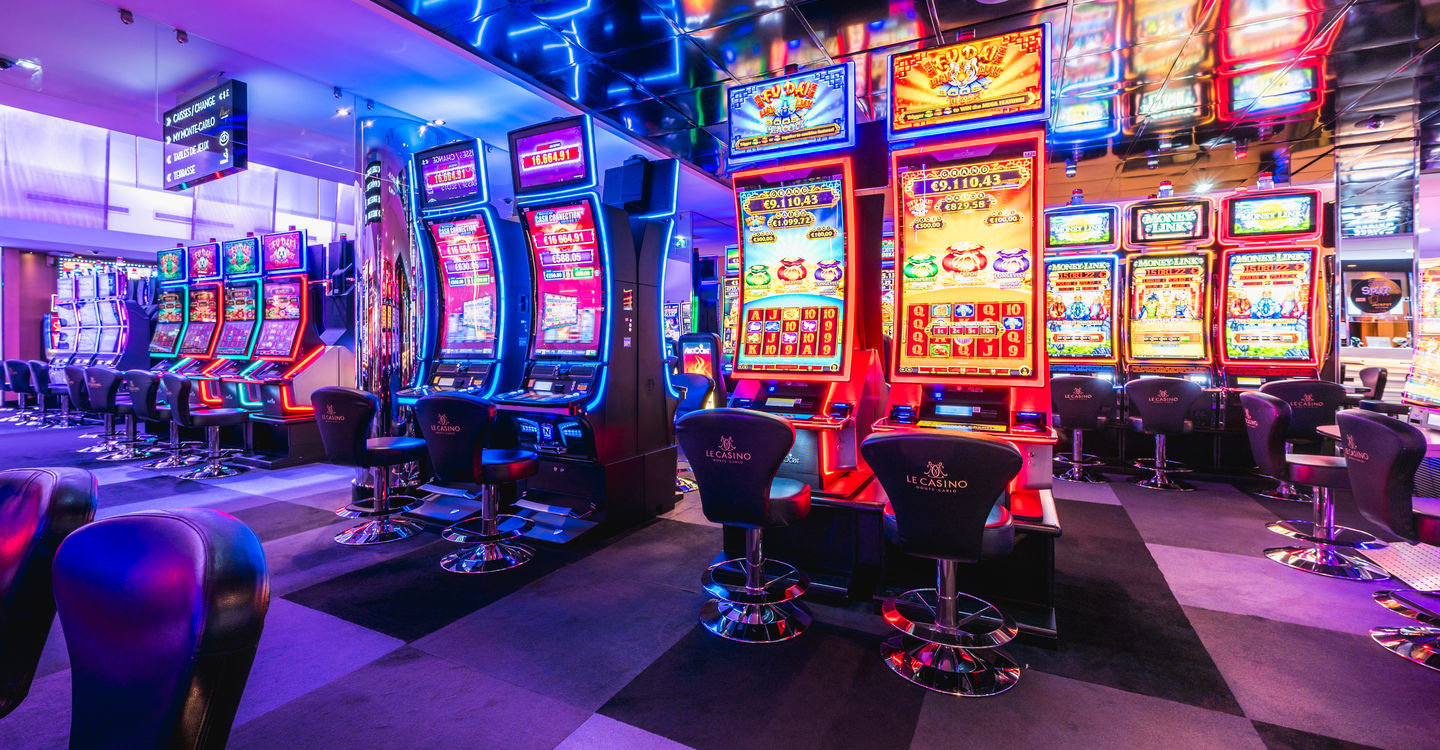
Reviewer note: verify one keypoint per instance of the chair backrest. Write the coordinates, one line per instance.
(1374, 378)
(18, 371)
(1079, 401)
(1382, 455)
(1267, 422)
(40, 375)
(942, 488)
(38, 509)
(454, 428)
(1313, 403)
(735, 454)
(1163, 404)
(144, 388)
(697, 389)
(79, 389)
(162, 612)
(344, 416)
(177, 394)
(103, 383)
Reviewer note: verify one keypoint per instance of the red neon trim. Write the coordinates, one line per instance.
(1116, 323)
(851, 264)
(1209, 335)
(303, 363)
(1316, 296)
(290, 407)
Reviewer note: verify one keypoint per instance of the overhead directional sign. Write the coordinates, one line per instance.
(206, 138)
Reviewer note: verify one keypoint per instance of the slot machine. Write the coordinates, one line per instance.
(1422, 384)
(124, 328)
(64, 329)
(1082, 289)
(730, 308)
(480, 275)
(87, 314)
(887, 287)
(172, 304)
(1169, 288)
(701, 354)
(204, 298)
(239, 324)
(593, 326)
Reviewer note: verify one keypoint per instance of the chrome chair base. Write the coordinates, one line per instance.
(950, 669)
(1417, 643)
(366, 508)
(104, 446)
(1419, 605)
(211, 471)
(755, 623)
(1079, 473)
(780, 582)
(378, 531)
(174, 462)
(979, 624)
(1327, 561)
(1339, 536)
(487, 557)
(126, 453)
(1087, 459)
(1288, 492)
(1165, 484)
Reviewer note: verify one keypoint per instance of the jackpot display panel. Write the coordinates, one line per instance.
(796, 259)
(1168, 309)
(1270, 217)
(1081, 296)
(170, 320)
(450, 175)
(1090, 228)
(469, 313)
(967, 298)
(1270, 299)
(283, 310)
(570, 286)
(976, 83)
(802, 113)
(1169, 222)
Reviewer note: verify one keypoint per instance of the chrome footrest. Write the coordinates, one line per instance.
(507, 527)
(366, 508)
(1166, 485)
(174, 462)
(125, 453)
(488, 557)
(1086, 459)
(1288, 492)
(755, 623)
(1078, 473)
(378, 531)
(686, 484)
(1421, 606)
(979, 623)
(949, 669)
(1328, 562)
(1172, 467)
(1418, 644)
(212, 471)
(779, 582)
(1341, 536)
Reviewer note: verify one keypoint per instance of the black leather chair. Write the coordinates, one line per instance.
(40, 382)
(1374, 378)
(735, 454)
(177, 393)
(344, 416)
(40, 373)
(1382, 455)
(79, 389)
(1313, 403)
(144, 389)
(162, 612)
(107, 398)
(455, 428)
(948, 501)
(38, 509)
(23, 384)
(694, 391)
(1267, 422)
(5, 407)
(1161, 407)
(1080, 403)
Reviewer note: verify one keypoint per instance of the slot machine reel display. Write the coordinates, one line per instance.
(1169, 288)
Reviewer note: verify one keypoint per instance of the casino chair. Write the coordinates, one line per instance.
(695, 390)
(44, 391)
(1313, 403)
(144, 389)
(1267, 422)
(455, 428)
(38, 509)
(1374, 378)
(162, 612)
(23, 384)
(79, 389)
(182, 412)
(948, 502)
(735, 454)
(104, 386)
(1382, 455)
(1161, 407)
(40, 374)
(344, 416)
(1080, 403)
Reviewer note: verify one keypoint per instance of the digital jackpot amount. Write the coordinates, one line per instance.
(1267, 305)
(967, 266)
(1167, 307)
(1079, 297)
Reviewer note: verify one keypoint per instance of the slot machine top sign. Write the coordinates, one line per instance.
(1272, 216)
(450, 175)
(1169, 308)
(967, 305)
(1082, 228)
(170, 266)
(553, 156)
(283, 252)
(468, 288)
(976, 83)
(570, 280)
(206, 138)
(1170, 221)
(204, 261)
(1080, 306)
(241, 257)
(1268, 306)
(796, 114)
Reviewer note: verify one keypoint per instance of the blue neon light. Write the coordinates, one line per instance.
(497, 254)
(793, 123)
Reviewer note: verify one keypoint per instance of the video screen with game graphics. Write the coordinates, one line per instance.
(798, 113)
(1080, 307)
(170, 265)
(241, 257)
(449, 175)
(65, 288)
(283, 303)
(795, 272)
(973, 83)
(1081, 227)
(85, 287)
(283, 251)
(1168, 307)
(696, 358)
(241, 307)
(109, 342)
(550, 156)
(1423, 385)
(204, 316)
(1268, 296)
(89, 312)
(169, 319)
(1169, 222)
(968, 302)
(204, 261)
(109, 311)
(468, 289)
(88, 341)
(569, 279)
(1274, 216)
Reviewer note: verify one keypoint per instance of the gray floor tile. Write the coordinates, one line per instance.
(42, 721)
(1090, 493)
(601, 732)
(1223, 520)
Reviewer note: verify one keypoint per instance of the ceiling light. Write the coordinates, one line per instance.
(342, 111)
(437, 123)
(126, 17)
(181, 37)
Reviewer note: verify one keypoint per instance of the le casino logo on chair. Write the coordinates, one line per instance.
(442, 425)
(1307, 401)
(936, 479)
(1353, 453)
(330, 415)
(1078, 394)
(1249, 420)
(1163, 396)
(727, 453)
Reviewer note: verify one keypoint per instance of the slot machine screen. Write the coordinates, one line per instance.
(1289, 215)
(1170, 222)
(204, 316)
(1422, 387)
(62, 340)
(65, 288)
(88, 341)
(449, 175)
(90, 313)
(282, 252)
(204, 261)
(283, 301)
(67, 316)
(107, 284)
(1168, 314)
(795, 271)
(551, 156)
(468, 288)
(730, 334)
(795, 114)
(1268, 305)
(1080, 307)
(1083, 228)
(109, 313)
(85, 287)
(975, 83)
(968, 302)
(569, 279)
(170, 265)
(887, 286)
(109, 341)
(697, 358)
(241, 257)
(169, 319)
(241, 306)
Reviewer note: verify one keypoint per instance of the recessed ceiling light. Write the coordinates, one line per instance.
(437, 122)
